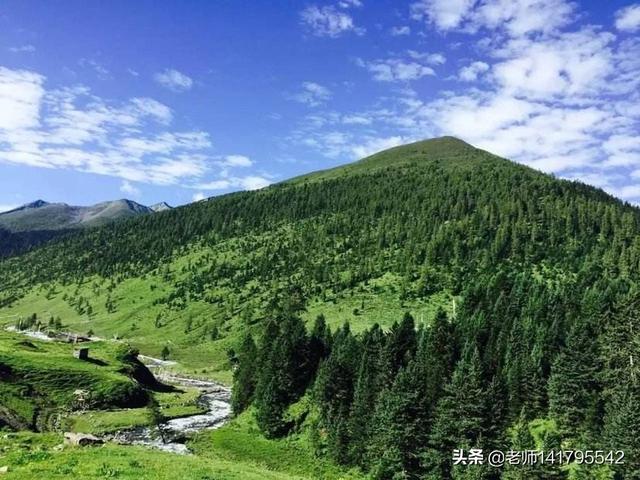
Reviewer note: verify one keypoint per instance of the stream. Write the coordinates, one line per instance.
(215, 398)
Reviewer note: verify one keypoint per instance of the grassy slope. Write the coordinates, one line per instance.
(43, 376)
(31, 456)
(241, 441)
(236, 451)
(449, 149)
(135, 315)
(172, 405)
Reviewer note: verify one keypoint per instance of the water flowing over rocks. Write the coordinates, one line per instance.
(215, 398)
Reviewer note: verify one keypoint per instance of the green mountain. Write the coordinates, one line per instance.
(503, 297)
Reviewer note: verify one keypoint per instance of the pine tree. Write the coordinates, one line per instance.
(460, 416)
(367, 388)
(622, 429)
(573, 385)
(334, 392)
(244, 376)
(398, 428)
(284, 375)
(400, 347)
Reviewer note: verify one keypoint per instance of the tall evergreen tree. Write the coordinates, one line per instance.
(573, 386)
(244, 376)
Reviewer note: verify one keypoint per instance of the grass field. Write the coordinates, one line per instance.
(138, 316)
(39, 378)
(241, 441)
(172, 405)
(235, 451)
(30, 456)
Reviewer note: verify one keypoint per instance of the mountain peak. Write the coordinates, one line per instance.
(41, 215)
(447, 148)
(37, 204)
(161, 207)
(28, 206)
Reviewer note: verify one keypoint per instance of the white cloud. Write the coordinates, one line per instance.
(515, 17)
(21, 94)
(356, 120)
(197, 197)
(100, 70)
(174, 80)
(22, 49)
(349, 3)
(628, 192)
(328, 21)
(397, 69)
(254, 182)
(574, 64)
(153, 108)
(628, 18)
(444, 14)
(622, 150)
(399, 31)
(249, 182)
(471, 72)
(128, 188)
(427, 58)
(312, 94)
(374, 145)
(521, 17)
(70, 128)
(222, 184)
(237, 161)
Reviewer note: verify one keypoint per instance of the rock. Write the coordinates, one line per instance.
(4, 470)
(81, 439)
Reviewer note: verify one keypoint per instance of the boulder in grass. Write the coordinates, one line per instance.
(81, 439)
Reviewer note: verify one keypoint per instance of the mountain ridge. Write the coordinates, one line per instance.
(41, 215)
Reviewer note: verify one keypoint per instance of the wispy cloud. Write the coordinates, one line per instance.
(397, 69)
(100, 70)
(70, 128)
(515, 17)
(174, 80)
(628, 18)
(237, 161)
(249, 182)
(329, 20)
(471, 72)
(400, 31)
(312, 94)
(129, 189)
(22, 49)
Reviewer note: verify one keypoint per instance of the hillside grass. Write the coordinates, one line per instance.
(177, 404)
(241, 441)
(41, 376)
(186, 332)
(30, 456)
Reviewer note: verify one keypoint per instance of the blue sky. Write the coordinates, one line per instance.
(179, 100)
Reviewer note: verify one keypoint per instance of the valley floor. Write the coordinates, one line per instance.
(235, 451)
